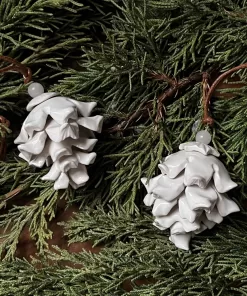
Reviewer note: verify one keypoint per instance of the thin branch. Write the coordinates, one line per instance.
(163, 77)
(16, 67)
(3, 146)
(207, 119)
(146, 108)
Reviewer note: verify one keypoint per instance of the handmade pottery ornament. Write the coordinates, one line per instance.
(59, 131)
(189, 195)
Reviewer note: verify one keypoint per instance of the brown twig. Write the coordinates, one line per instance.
(14, 66)
(12, 194)
(241, 15)
(163, 77)
(207, 119)
(3, 146)
(146, 108)
(174, 87)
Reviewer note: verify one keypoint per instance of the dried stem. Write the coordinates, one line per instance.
(146, 108)
(14, 66)
(174, 87)
(3, 146)
(163, 77)
(207, 119)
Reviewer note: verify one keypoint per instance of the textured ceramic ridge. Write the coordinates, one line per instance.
(59, 131)
(189, 196)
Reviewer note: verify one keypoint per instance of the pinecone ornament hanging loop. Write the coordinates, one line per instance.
(58, 132)
(207, 95)
(190, 194)
(18, 67)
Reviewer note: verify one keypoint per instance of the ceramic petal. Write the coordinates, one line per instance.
(199, 147)
(185, 211)
(76, 186)
(201, 199)
(26, 156)
(66, 163)
(84, 108)
(181, 241)
(58, 150)
(173, 217)
(78, 175)
(35, 145)
(23, 136)
(62, 182)
(40, 99)
(222, 180)
(93, 123)
(151, 184)
(58, 133)
(53, 174)
(149, 199)
(173, 164)
(214, 216)
(177, 228)
(226, 206)
(198, 171)
(162, 207)
(40, 159)
(85, 158)
(82, 143)
(156, 224)
(209, 224)
(201, 229)
(169, 189)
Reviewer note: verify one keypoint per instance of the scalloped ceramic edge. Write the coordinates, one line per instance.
(60, 131)
(190, 194)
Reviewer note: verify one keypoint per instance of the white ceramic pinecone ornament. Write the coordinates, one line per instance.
(59, 131)
(190, 194)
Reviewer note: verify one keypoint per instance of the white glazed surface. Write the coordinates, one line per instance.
(59, 131)
(189, 196)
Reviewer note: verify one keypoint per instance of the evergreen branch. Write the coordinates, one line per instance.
(34, 217)
(138, 156)
(104, 51)
(207, 119)
(118, 225)
(215, 266)
(171, 92)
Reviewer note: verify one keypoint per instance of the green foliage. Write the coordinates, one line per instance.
(45, 35)
(135, 251)
(108, 51)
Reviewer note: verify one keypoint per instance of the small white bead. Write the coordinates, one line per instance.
(35, 89)
(113, 69)
(203, 137)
